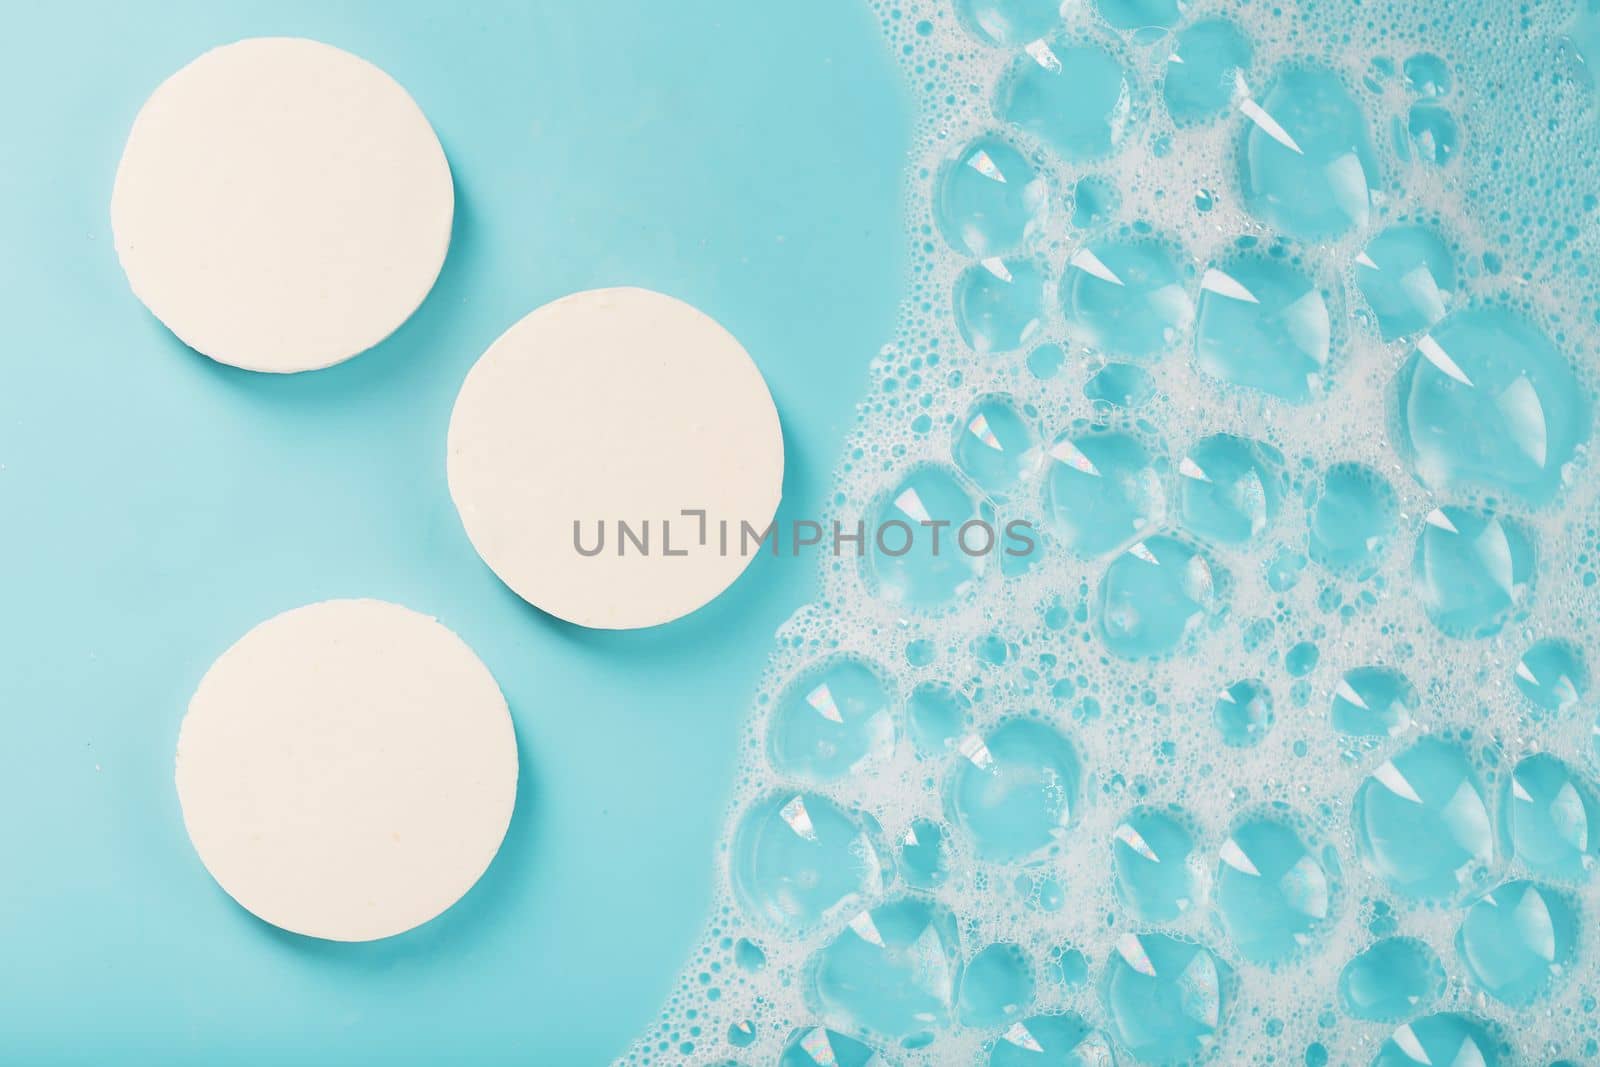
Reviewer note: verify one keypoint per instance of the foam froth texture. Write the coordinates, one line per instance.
(1278, 322)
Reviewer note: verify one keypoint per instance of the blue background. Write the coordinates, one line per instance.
(746, 157)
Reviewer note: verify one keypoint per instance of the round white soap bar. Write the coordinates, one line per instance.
(598, 421)
(281, 205)
(347, 770)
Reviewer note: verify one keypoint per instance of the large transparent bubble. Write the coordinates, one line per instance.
(891, 972)
(1157, 871)
(1154, 595)
(1105, 489)
(1263, 324)
(990, 198)
(1306, 166)
(831, 720)
(1205, 70)
(1015, 791)
(799, 857)
(1272, 891)
(1165, 998)
(1074, 96)
(1517, 940)
(1487, 401)
(1422, 821)
(1391, 980)
(1126, 298)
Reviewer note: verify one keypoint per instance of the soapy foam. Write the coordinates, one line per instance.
(1508, 559)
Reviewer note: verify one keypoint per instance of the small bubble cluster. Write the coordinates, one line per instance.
(1275, 743)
